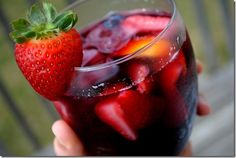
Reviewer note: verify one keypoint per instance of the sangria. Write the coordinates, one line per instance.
(136, 91)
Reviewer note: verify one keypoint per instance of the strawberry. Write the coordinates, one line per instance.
(172, 72)
(63, 107)
(176, 109)
(109, 111)
(144, 23)
(137, 72)
(140, 110)
(47, 49)
(129, 111)
(146, 86)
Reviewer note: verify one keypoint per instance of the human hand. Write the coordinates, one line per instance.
(67, 143)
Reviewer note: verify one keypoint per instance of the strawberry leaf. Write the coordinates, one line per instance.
(35, 15)
(67, 23)
(20, 39)
(17, 37)
(20, 24)
(49, 11)
(75, 19)
(42, 20)
(23, 35)
(29, 34)
(61, 17)
(17, 33)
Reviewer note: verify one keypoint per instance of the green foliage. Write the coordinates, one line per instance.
(42, 20)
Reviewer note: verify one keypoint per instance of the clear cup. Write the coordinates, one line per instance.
(142, 102)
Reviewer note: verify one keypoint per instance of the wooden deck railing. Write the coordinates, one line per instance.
(212, 62)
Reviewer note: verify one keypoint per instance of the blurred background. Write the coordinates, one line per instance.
(26, 118)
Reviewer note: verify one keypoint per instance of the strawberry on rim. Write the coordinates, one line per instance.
(47, 48)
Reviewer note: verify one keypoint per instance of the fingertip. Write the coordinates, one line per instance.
(203, 107)
(66, 140)
(187, 151)
(57, 126)
(63, 132)
(199, 67)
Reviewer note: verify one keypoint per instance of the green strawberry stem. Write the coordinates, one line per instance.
(42, 21)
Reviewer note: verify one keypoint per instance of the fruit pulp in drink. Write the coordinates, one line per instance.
(138, 105)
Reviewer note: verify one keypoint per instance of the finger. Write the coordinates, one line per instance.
(187, 151)
(203, 108)
(199, 67)
(66, 142)
(60, 149)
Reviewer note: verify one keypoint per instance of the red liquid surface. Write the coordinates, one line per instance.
(143, 106)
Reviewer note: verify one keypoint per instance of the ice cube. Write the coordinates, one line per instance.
(113, 21)
(93, 57)
(109, 36)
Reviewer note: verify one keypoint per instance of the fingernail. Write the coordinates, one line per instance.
(57, 137)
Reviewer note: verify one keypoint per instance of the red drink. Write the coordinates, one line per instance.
(135, 94)
(136, 90)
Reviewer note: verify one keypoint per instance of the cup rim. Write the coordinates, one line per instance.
(133, 54)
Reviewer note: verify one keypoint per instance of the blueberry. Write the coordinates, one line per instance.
(113, 21)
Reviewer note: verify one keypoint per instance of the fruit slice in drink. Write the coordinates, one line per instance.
(130, 111)
(176, 109)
